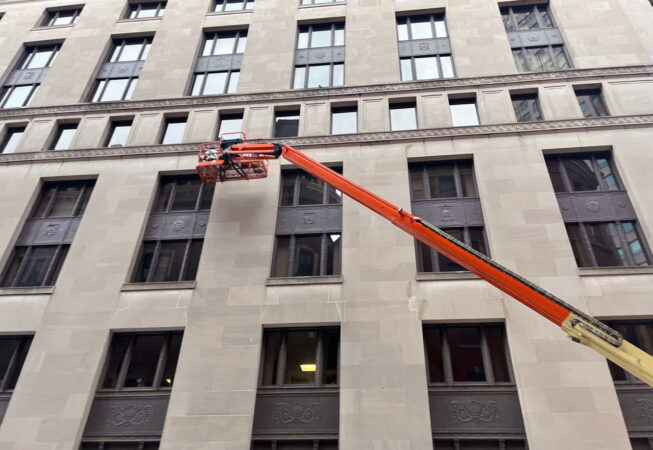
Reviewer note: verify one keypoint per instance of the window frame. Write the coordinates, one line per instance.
(112, 129)
(136, 8)
(223, 4)
(16, 361)
(404, 105)
(344, 110)
(279, 114)
(52, 14)
(320, 358)
(433, 18)
(520, 97)
(593, 156)
(509, 12)
(61, 127)
(10, 131)
(425, 166)
(464, 101)
(447, 367)
(166, 123)
(126, 358)
(589, 92)
(230, 73)
(549, 48)
(305, 68)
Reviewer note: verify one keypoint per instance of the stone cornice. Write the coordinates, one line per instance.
(595, 123)
(323, 93)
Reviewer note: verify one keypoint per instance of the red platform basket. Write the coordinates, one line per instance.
(212, 169)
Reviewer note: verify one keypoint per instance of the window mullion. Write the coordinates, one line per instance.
(153, 264)
(125, 364)
(281, 367)
(319, 357)
(425, 183)
(50, 207)
(446, 357)
(200, 194)
(173, 193)
(624, 243)
(291, 254)
(184, 262)
(80, 198)
(23, 264)
(487, 359)
(585, 240)
(323, 254)
(160, 365)
(563, 173)
(603, 186)
(51, 264)
(457, 182)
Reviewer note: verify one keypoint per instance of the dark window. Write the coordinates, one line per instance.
(119, 133)
(591, 103)
(344, 120)
(403, 116)
(230, 123)
(34, 265)
(142, 361)
(330, 72)
(175, 258)
(145, 10)
(64, 136)
(280, 444)
(463, 112)
(310, 254)
(232, 5)
(216, 47)
(174, 130)
(120, 445)
(467, 354)
(286, 123)
(527, 17)
(601, 240)
(17, 91)
(300, 356)
(59, 17)
(13, 351)
(113, 84)
(12, 139)
(526, 106)
(480, 444)
(433, 59)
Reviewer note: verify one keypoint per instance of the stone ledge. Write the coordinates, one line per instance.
(41, 290)
(294, 281)
(607, 271)
(168, 285)
(445, 276)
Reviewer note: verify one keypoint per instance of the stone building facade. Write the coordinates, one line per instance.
(139, 310)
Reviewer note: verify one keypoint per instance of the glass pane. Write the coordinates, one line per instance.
(442, 183)
(440, 29)
(421, 29)
(115, 89)
(403, 117)
(447, 66)
(539, 59)
(286, 124)
(520, 61)
(467, 179)
(507, 20)
(225, 45)
(426, 68)
(186, 194)
(318, 76)
(477, 240)
(288, 189)
(591, 103)
(338, 74)
(18, 96)
(56, 266)
(334, 196)
(464, 114)
(145, 262)
(406, 69)
(301, 365)
(64, 18)
(605, 172)
(272, 343)
(331, 342)
(634, 245)
(144, 359)
(556, 177)
(441, 444)
(233, 5)
(147, 10)
(14, 136)
(416, 182)
(40, 59)
(131, 51)
(174, 132)
(193, 262)
(215, 83)
(13, 266)
(581, 174)
(561, 58)
(37, 266)
(242, 43)
(495, 341)
(98, 90)
(339, 37)
(606, 244)
(170, 260)
(280, 268)
(300, 76)
(424, 261)
(302, 40)
(164, 195)
(8, 347)
(433, 344)
(41, 207)
(208, 45)
(86, 198)
(171, 360)
(310, 190)
(526, 18)
(119, 134)
(526, 108)
(117, 354)
(333, 254)
(402, 31)
(444, 263)
(306, 260)
(197, 84)
(207, 196)
(580, 252)
(343, 121)
(231, 124)
(544, 16)
(65, 200)
(466, 355)
(321, 37)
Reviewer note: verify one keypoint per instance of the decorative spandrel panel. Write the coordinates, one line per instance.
(49, 231)
(134, 415)
(475, 412)
(309, 219)
(297, 413)
(637, 408)
(595, 206)
(446, 213)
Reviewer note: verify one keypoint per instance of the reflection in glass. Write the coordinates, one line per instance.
(403, 116)
(463, 113)
(301, 348)
(466, 355)
(318, 76)
(230, 123)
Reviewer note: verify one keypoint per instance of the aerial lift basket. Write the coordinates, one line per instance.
(215, 164)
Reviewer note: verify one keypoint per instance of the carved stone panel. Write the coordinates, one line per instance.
(120, 69)
(26, 76)
(424, 47)
(4, 403)
(128, 415)
(449, 213)
(49, 231)
(535, 38)
(323, 55)
(177, 225)
(475, 412)
(218, 63)
(637, 409)
(595, 206)
(309, 219)
(296, 413)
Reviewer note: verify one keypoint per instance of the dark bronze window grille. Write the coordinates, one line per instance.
(431, 57)
(300, 444)
(286, 123)
(527, 17)
(60, 17)
(403, 116)
(217, 46)
(145, 10)
(13, 351)
(11, 140)
(344, 120)
(232, 5)
(19, 88)
(118, 133)
(63, 138)
(35, 263)
(330, 70)
(527, 107)
(119, 445)
(480, 444)
(591, 103)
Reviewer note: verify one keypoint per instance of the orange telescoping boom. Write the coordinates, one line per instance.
(241, 159)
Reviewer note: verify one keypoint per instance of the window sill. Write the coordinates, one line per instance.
(442, 276)
(226, 13)
(54, 27)
(140, 19)
(291, 281)
(601, 271)
(321, 5)
(167, 285)
(40, 290)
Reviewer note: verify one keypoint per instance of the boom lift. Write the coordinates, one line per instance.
(242, 159)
